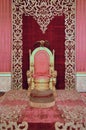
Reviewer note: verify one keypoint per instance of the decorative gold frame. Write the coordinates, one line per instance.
(52, 8)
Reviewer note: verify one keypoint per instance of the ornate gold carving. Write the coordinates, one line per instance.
(70, 125)
(43, 11)
(42, 43)
(41, 83)
(13, 125)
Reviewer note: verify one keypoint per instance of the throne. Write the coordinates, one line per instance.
(41, 76)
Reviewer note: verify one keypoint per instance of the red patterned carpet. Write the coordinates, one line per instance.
(69, 109)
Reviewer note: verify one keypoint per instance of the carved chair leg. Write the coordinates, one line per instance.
(50, 84)
(32, 86)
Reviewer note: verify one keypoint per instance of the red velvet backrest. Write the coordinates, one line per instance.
(41, 63)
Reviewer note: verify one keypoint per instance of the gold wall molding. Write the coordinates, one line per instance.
(43, 11)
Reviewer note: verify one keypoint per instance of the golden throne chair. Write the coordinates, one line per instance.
(41, 76)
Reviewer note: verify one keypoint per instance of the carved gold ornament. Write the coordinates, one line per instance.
(43, 11)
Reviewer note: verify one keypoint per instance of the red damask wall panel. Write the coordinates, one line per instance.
(55, 34)
(5, 36)
(81, 35)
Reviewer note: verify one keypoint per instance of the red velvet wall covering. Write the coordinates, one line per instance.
(55, 34)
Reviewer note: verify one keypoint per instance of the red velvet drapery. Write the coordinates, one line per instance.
(55, 34)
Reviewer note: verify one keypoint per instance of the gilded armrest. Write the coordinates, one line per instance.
(54, 75)
(53, 79)
(30, 79)
(29, 74)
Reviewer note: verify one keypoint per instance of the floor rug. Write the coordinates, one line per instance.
(70, 106)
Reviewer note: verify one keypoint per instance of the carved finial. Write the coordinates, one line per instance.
(42, 43)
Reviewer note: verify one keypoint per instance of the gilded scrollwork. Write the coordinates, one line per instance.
(13, 125)
(43, 11)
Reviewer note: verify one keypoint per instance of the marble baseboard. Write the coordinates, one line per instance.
(5, 81)
(81, 82)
